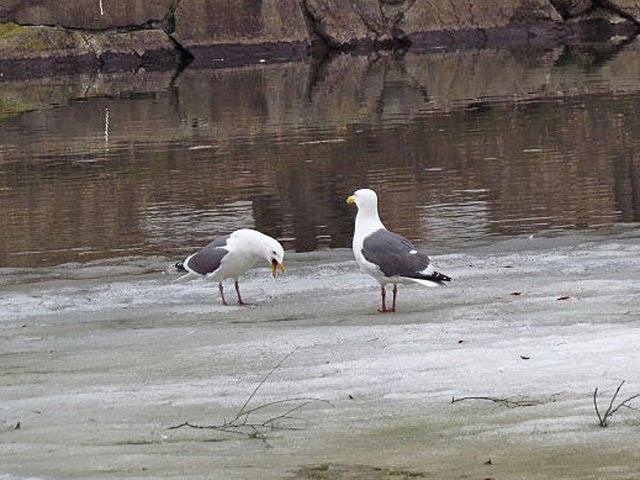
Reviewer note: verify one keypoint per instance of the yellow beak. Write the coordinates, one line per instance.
(282, 266)
(351, 199)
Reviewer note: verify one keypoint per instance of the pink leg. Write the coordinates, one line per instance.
(221, 288)
(240, 302)
(395, 292)
(383, 294)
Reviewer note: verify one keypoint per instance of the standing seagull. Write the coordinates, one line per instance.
(387, 256)
(232, 255)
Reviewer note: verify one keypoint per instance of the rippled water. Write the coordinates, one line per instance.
(463, 147)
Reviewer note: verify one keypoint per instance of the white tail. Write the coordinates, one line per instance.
(426, 283)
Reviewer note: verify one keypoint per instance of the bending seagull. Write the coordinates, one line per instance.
(387, 256)
(230, 256)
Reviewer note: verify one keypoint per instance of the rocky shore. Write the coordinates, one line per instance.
(105, 35)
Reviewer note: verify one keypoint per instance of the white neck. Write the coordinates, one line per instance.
(367, 221)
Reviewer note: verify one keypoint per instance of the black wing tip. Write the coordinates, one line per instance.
(180, 267)
(439, 278)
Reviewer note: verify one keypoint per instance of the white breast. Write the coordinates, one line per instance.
(365, 226)
(233, 265)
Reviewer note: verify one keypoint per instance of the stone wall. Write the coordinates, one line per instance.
(249, 21)
(128, 34)
(86, 14)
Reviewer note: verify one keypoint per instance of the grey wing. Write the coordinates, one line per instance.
(395, 255)
(207, 260)
(219, 241)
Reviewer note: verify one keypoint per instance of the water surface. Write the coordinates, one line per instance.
(462, 147)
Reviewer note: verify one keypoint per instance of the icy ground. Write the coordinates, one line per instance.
(99, 359)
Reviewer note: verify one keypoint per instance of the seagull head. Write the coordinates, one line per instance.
(274, 254)
(365, 199)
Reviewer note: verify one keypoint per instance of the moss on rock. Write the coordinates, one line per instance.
(36, 41)
(9, 29)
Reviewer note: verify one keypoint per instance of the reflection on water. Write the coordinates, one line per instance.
(462, 147)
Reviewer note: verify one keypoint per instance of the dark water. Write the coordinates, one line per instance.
(461, 146)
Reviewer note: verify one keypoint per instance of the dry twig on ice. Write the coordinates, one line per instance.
(603, 419)
(244, 422)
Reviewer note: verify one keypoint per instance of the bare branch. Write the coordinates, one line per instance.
(595, 404)
(285, 414)
(624, 404)
(285, 400)
(240, 423)
(613, 399)
(603, 420)
(255, 390)
(505, 401)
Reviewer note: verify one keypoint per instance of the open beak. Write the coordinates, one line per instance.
(351, 199)
(274, 267)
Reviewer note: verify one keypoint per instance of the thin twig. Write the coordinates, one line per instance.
(193, 425)
(505, 401)
(285, 414)
(608, 412)
(636, 409)
(285, 400)
(255, 390)
(603, 420)
(624, 404)
(595, 404)
(240, 423)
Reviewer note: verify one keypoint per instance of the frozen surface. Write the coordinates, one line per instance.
(100, 359)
